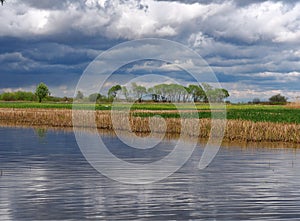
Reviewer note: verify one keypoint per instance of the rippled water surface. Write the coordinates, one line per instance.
(45, 177)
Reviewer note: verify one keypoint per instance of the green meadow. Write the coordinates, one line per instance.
(251, 112)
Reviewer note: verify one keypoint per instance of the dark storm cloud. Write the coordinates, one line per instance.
(250, 44)
(53, 53)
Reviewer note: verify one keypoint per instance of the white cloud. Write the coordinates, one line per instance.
(62, 90)
(276, 77)
(274, 21)
(258, 41)
(245, 92)
(256, 22)
(154, 66)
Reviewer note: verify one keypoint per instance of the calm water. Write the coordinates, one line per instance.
(45, 177)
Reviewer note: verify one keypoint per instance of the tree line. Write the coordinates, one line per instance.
(41, 93)
(172, 92)
(275, 99)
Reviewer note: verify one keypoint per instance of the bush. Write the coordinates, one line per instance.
(8, 96)
(256, 101)
(25, 96)
(94, 97)
(278, 99)
(18, 96)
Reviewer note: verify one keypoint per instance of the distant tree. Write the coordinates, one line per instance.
(112, 92)
(67, 99)
(225, 94)
(53, 99)
(214, 94)
(186, 94)
(256, 101)
(208, 92)
(8, 96)
(177, 92)
(150, 90)
(18, 96)
(42, 91)
(196, 92)
(25, 96)
(79, 95)
(207, 87)
(94, 97)
(278, 98)
(138, 90)
(125, 92)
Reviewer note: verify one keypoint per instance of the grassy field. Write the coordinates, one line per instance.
(30, 105)
(255, 113)
(137, 106)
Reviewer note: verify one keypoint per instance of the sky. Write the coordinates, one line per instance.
(252, 46)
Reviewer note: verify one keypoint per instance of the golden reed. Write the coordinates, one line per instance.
(236, 130)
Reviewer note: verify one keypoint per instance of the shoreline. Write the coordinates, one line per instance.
(236, 130)
(203, 141)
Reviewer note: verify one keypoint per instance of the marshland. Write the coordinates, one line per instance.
(179, 106)
(251, 123)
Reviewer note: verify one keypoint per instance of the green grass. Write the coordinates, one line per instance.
(52, 105)
(256, 113)
(34, 105)
(280, 115)
(255, 106)
(136, 106)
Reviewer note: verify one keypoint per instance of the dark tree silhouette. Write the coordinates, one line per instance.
(2, 1)
(112, 92)
(278, 98)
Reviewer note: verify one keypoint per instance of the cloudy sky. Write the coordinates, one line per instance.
(253, 46)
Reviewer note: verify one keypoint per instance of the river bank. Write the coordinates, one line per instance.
(236, 130)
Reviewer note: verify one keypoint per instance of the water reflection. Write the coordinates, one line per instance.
(41, 133)
(51, 180)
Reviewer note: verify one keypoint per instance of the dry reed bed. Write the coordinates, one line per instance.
(235, 129)
(294, 105)
(174, 111)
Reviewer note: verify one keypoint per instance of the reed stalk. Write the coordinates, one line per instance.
(236, 130)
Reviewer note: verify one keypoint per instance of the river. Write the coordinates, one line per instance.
(44, 176)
